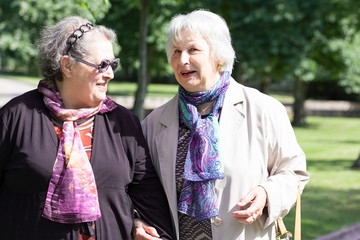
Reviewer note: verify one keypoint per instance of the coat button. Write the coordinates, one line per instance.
(217, 221)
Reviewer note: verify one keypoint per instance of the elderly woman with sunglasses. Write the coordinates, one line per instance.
(226, 154)
(73, 163)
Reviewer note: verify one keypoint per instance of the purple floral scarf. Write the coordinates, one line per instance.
(72, 195)
(203, 164)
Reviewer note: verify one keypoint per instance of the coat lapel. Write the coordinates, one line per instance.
(166, 144)
(233, 111)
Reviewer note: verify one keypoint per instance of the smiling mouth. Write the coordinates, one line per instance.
(102, 83)
(187, 73)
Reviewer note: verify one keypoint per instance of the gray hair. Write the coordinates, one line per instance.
(53, 45)
(211, 27)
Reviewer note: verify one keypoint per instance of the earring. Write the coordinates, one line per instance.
(221, 65)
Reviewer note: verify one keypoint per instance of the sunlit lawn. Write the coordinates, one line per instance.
(331, 200)
(116, 87)
(153, 90)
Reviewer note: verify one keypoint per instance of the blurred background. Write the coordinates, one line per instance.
(304, 53)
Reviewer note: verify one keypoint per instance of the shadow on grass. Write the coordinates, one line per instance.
(120, 93)
(332, 165)
(325, 211)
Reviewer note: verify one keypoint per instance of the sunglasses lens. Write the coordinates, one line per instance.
(115, 64)
(104, 65)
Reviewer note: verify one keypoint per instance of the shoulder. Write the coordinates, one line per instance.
(255, 103)
(257, 99)
(23, 104)
(121, 120)
(163, 113)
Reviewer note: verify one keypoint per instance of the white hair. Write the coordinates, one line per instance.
(211, 27)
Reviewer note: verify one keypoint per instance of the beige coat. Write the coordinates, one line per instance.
(258, 147)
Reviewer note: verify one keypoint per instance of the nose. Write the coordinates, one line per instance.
(109, 73)
(185, 57)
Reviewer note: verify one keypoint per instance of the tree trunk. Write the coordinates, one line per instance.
(138, 108)
(356, 164)
(299, 103)
(265, 84)
(237, 74)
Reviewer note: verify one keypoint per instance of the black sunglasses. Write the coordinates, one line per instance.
(104, 65)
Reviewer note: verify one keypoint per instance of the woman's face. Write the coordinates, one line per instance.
(86, 87)
(193, 64)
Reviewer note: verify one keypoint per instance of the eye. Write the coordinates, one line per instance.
(193, 50)
(177, 51)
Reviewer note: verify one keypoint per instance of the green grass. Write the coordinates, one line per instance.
(331, 200)
(285, 98)
(115, 88)
(154, 90)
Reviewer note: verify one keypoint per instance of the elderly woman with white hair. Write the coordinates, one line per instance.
(226, 154)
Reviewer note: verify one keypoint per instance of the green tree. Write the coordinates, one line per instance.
(288, 39)
(140, 26)
(22, 20)
(350, 80)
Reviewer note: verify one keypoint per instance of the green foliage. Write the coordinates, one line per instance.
(273, 37)
(276, 39)
(22, 20)
(306, 70)
(350, 80)
(124, 17)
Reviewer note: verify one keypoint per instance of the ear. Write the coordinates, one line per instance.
(66, 66)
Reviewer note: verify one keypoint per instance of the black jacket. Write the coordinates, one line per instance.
(124, 174)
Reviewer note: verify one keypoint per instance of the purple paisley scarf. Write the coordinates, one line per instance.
(72, 195)
(203, 164)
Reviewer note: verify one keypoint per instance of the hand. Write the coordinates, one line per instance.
(142, 231)
(251, 206)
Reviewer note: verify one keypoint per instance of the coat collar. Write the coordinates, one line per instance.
(170, 114)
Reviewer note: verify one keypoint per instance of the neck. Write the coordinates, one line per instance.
(65, 95)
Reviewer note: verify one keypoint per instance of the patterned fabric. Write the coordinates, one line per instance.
(86, 134)
(86, 230)
(72, 195)
(203, 164)
(189, 228)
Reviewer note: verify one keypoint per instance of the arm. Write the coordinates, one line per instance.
(4, 143)
(147, 194)
(286, 166)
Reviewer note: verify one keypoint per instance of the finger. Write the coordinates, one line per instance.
(246, 200)
(142, 235)
(247, 220)
(152, 231)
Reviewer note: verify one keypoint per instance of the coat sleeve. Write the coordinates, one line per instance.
(4, 142)
(286, 164)
(146, 191)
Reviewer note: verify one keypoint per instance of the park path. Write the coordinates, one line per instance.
(11, 88)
